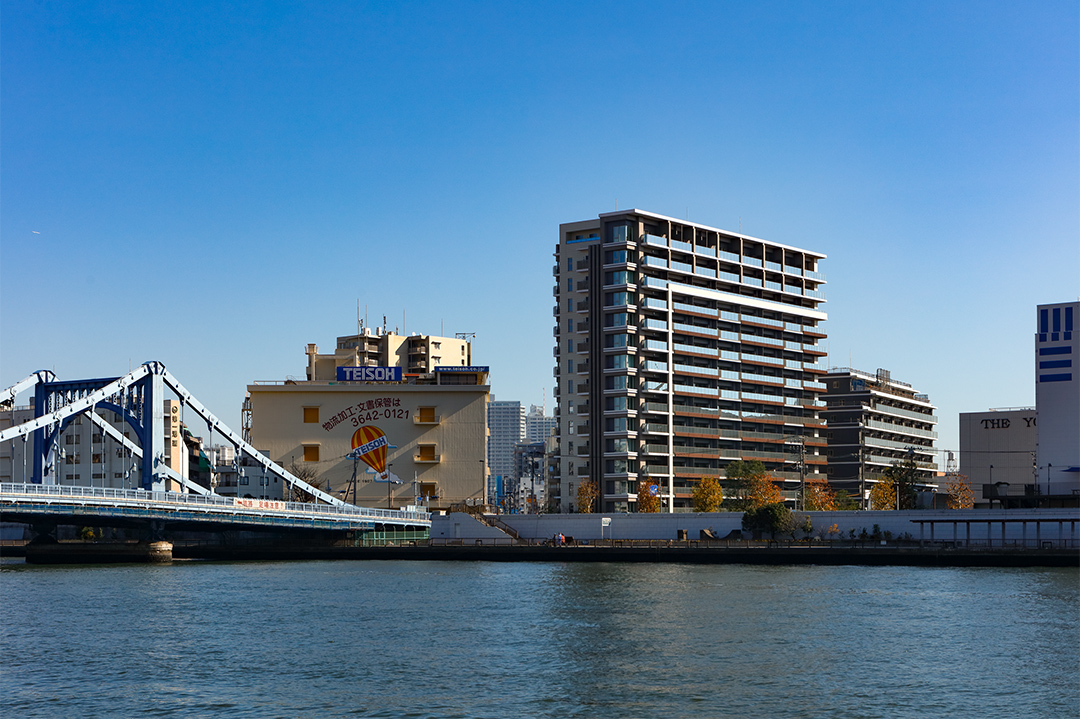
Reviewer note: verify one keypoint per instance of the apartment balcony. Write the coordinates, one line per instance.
(425, 458)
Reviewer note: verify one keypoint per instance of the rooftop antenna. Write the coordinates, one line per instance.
(358, 317)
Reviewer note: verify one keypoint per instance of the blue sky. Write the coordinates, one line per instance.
(216, 185)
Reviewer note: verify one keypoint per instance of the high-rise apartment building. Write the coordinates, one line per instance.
(538, 426)
(874, 421)
(506, 429)
(679, 349)
(1057, 397)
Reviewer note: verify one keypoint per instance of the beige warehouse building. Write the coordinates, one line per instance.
(419, 428)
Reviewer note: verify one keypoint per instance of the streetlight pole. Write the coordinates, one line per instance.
(389, 488)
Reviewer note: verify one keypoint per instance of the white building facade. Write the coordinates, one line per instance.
(1057, 397)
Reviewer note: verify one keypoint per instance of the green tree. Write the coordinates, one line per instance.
(586, 496)
(904, 477)
(845, 502)
(774, 518)
(708, 495)
(648, 496)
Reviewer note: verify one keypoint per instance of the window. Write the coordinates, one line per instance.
(311, 453)
(619, 233)
(570, 366)
(96, 459)
(426, 414)
(569, 345)
(616, 382)
(617, 299)
(615, 424)
(569, 263)
(615, 341)
(570, 325)
(426, 453)
(570, 305)
(70, 439)
(311, 415)
(614, 257)
(570, 407)
(570, 284)
(616, 404)
(570, 386)
(437, 345)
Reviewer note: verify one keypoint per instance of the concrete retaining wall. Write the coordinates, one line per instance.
(1029, 525)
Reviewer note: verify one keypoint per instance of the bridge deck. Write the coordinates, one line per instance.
(29, 502)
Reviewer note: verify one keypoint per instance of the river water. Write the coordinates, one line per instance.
(432, 639)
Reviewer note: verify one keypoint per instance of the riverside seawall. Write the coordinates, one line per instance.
(963, 527)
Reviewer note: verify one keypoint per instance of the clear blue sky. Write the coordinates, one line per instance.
(216, 185)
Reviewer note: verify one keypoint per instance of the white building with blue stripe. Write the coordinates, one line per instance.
(1057, 396)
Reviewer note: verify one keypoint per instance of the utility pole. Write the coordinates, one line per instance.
(862, 471)
(802, 471)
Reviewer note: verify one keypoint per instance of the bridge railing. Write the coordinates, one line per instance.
(213, 500)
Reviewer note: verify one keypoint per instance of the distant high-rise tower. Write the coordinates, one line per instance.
(537, 426)
(679, 349)
(506, 428)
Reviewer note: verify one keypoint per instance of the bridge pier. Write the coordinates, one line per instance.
(45, 549)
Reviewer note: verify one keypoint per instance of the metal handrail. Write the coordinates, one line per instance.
(209, 501)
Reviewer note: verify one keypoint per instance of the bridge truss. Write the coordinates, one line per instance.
(138, 397)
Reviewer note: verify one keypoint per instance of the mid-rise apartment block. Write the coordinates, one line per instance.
(874, 421)
(679, 349)
(414, 354)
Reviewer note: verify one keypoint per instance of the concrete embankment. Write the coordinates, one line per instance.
(97, 552)
(685, 554)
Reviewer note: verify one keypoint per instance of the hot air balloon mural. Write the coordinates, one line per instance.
(369, 444)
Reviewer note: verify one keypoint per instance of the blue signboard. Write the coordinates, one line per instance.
(369, 374)
(452, 368)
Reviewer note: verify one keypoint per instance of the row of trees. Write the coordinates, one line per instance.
(753, 488)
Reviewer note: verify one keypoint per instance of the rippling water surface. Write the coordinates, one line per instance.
(425, 639)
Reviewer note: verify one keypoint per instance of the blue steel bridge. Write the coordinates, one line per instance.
(138, 398)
